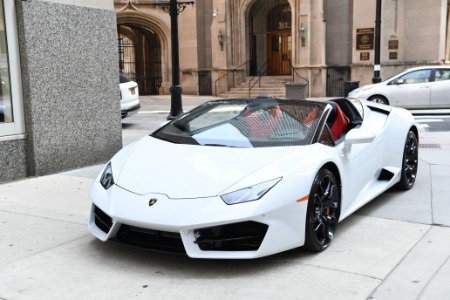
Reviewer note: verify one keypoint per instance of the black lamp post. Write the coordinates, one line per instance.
(174, 8)
(377, 67)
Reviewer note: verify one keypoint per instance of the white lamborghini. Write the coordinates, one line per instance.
(249, 178)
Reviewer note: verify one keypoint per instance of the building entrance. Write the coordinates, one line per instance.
(279, 52)
(140, 57)
(279, 41)
(270, 38)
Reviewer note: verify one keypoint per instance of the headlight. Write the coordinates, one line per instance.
(250, 193)
(107, 179)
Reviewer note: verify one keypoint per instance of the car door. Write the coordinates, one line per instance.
(361, 162)
(440, 88)
(411, 89)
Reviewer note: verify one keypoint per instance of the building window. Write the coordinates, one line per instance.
(11, 111)
(5, 88)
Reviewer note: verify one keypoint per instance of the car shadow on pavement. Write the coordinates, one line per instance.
(113, 253)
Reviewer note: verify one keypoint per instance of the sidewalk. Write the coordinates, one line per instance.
(396, 247)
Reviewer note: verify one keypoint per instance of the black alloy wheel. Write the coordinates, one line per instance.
(323, 211)
(410, 162)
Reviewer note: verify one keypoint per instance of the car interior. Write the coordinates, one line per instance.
(342, 118)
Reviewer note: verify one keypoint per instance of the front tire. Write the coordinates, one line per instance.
(410, 162)
(323, 211)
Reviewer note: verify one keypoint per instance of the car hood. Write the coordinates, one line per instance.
(191, 171)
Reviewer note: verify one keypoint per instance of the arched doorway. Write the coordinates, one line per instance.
(279, 40)
(270, 37)
(140, 57)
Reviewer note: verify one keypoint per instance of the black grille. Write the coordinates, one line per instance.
(151, 239)
(102, 220)
(245, 236)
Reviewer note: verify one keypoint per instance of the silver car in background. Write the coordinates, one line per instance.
(419, 87)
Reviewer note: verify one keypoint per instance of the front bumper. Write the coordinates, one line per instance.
(201, 228)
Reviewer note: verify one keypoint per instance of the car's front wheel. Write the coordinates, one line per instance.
(410, 162)
(323, 211)
(379, 99)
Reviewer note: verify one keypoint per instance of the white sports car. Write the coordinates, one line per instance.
(249, 178)
(129, 97)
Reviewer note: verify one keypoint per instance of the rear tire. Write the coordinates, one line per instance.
(379, 99)
(323, 211)
(410, 162)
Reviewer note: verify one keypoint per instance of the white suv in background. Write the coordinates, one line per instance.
(129, 97)
(420, 87)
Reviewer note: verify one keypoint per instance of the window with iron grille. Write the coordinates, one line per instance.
(140, 57)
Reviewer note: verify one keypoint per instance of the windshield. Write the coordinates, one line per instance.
(246, 124)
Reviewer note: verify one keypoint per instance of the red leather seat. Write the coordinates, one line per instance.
(261, 128)
(339, 125)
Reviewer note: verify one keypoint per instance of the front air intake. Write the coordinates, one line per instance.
(102, 220)
(245, 236)
(151, 239)
(385, 175)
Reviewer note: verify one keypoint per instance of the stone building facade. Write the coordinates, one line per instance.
(413, 33)
(60, 61)
(321, 40)
(59, 96)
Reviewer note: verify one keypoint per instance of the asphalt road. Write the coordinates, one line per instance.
(434, 123)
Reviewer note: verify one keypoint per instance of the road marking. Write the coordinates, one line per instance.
(154, 112)
(429, 120)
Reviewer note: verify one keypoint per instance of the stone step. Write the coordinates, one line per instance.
(254, 93)
(268, 89)
(245, 96)
(262, 85)
(273, 85)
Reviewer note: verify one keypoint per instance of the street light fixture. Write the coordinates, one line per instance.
(220, 39)
(302, 34)
(174, 8)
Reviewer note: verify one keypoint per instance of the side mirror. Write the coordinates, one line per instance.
(359, 136)
(399, 81)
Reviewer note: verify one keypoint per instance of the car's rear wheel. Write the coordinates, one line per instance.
(410, 162)
(323, 211)
(379, 99)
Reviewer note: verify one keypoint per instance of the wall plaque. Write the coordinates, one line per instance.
(393, 55)
(393, 44)
(364, 56)
(364, 38)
